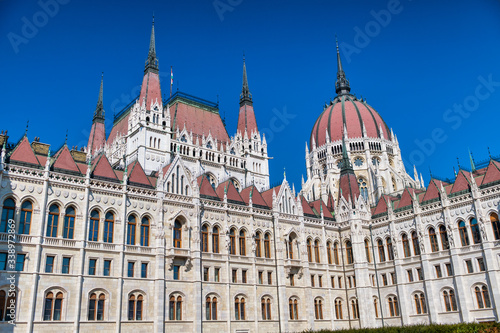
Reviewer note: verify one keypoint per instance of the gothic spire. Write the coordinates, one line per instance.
(152, 62)
(246, 96)
(345, 166)
(342, 86)
(99, 110)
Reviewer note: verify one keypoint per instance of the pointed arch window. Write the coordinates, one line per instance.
(53, 306)
(177, 234)
(420, 304)
(316, 251)
(239, 308)
(433, 240)
(363, 186)
(53, 221)
(145, 231)
(338, 309)
(242, 240)
(355, 308)
(96, 306)
(416, 245)
(135, 307)
(318, 309)
(482, 297)
(367, 250)
(495, 224)
(94, 226)
(474, 229)
(232, 241)
(258, 237)
(175, 307)
(265, 308)
(381, 253)
(444, 237)
(348, 248)
(309, 251)
(211, 308)
(204, 238)
(8, 211)
(393, 306)
(69, 223)
(464, 236)
(336, 253)
(329, 252)
(26, 215)
(267, 245)
(406, 245)
(131, 226)
(293, 308)
(450, 302)
(109, 223)
(215, 240)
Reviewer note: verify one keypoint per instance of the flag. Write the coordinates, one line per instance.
(171, 76)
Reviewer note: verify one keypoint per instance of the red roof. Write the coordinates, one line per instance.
(150, 89)
(317, 206)
(137, 175)
(232, 192)
(305, 207)
(65, 161)
(257, 198)
(205, 187)
(492, 173)
(406, 198)
(97, 137)
(383, 203)
(103, 168)
(246, 120)
(24, 153)
(461, 182)
(268, 195)
(349, 187)
(433, 189)
(121, 127)
(352, 113)
(330, 203)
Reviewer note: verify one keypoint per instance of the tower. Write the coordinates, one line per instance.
(97, 137)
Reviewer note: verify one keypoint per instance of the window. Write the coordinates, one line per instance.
(381, 253)
(239, 308)
(175, 307)
(348, 249)
(439, 274)
(135, 307)
(107, 268)
(495, 224)
(206, 274)
(261, 274)
(26, 214)
(69, 223)
(416, 245)
(384, 279)
(338, 309)
(316, 251)
(320, 281)
(130, 269)
(96, 306)
(131, 224)
(393, 306)
(211, 308)
(145, 231)
(215, 240)
(9, 208)
(7, 298)
(419, 274)
(309, 250)
(480, 263)
(20, 258)
(66, 265)
(375, 305)
(340, 282)
(176, 270)
(393, 278)
(244, 276)
(420, 305)
(265, 308)
(433, 240)
(312, 280)
(257, 244)
(474, 229)
(94, 226)
(109, 222)
(267, 245)
(449, 269)
(468, 264)
(242, 239)
(406, 246)
(450, 303)
(332, 280)
(292, 279)
(482, 297)
(329, 252)
(367, 250)
(177, 234)
(92, 266)
(52, 222)
(53, 306)
(204, 238)
(269, 277)
(318, 309)
(144, 270)
(293, 308)
(336, 253)
(217, 274)
(355, 308)
(464, 237)
(234, 275)
(444, 237)
(390, 250)
(49, 264)
(232, 241)
(410, 275)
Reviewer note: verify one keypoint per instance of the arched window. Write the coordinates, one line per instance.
(381, 253)
(239, 308)
(94, 226)
(265, 308)
(318, 309)
(243, 247)
(9, 208)
(444, 237)
(96, 306)
(336, 253)
(355, 308)
(367, 250)
(482, 297)
(175, 307)
(204, 238)
(450, 303)
(215, 240)
(329, 252)
(177, 234)
(109, 222)
(232, 241)
(135, 303)
(293, 308)
(69, 223)
(309, 250)
(316, 251)
(406, 246)
(390, 250)
(131, 225)
(393, 306)
(53, 306)
(474, 229)
(433, 240)
(363, 187)
(267, 245)
(375, 305)
(338, 309)
(416, 244)
(495, 224)
(464, 236)
(420, 305)
(258, 237)
(26, 215)
(211, 308)
(145, 231)
(349, 254)
(52, 221)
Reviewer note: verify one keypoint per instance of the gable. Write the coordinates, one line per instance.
(64, 161)
(23, 153)
(137, 176)
(103, 169)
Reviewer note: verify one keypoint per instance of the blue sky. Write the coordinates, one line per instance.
(414, 61)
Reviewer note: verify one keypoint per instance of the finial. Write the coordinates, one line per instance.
(458, 163)
(99, 109)
(472, 164)
(66, 139)
(152, 62)
(284, 173)
(430, 172)
(342, 86)
(489, 153)
(26, 131)
(246, 96)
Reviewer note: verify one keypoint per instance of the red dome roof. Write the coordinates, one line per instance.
(351, 112)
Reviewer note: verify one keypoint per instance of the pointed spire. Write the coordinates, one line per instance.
(151, 61)
(345, 166)
(342, 86)
(246, 96)
(99, 110)
(472, 164)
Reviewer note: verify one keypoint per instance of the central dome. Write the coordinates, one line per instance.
(349, 112)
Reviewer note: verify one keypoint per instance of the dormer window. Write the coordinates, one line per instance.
(209, 145)
(183, 138)
(232, 151)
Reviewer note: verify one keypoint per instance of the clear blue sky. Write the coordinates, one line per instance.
(412, 67)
